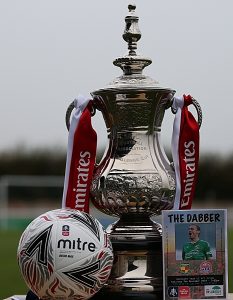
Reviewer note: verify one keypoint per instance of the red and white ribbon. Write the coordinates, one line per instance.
(81, 155)
(185, 152)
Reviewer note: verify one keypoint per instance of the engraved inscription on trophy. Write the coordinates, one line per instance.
(133, 151)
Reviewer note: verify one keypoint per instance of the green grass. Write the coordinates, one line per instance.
(12, 283)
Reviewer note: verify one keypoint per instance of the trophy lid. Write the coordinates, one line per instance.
(132, 64)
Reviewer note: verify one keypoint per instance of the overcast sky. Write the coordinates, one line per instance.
(52, 50)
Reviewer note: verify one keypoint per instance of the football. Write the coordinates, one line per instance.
(65, 254)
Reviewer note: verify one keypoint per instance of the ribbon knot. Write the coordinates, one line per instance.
(187, 100)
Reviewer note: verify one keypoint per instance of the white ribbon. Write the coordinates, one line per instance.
(177, 105)
(80, 104)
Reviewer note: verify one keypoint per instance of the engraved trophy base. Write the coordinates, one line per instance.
(137, 269)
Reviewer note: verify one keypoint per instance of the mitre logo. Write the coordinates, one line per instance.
(77, 244)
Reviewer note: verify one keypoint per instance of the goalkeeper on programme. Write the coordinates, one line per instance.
(196, 249)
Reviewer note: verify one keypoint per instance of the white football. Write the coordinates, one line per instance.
(65, 254)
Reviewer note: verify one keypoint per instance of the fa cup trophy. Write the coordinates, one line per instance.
(134, 180)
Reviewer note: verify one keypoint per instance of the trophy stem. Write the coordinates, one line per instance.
(135, 227)
(137, 268)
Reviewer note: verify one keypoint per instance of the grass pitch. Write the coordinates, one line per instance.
(11, 282)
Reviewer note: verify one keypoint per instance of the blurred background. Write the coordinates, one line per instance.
(51, 51)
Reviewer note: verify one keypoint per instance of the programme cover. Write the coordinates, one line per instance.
(195, 254)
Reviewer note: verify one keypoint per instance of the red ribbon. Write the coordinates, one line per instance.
(185, 150)
(81, 155)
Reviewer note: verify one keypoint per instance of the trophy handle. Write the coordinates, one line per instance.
(69, 112)
(95, 105)
(197, 107)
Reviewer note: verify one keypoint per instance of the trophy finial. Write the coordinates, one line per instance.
(132, 63)
(131, 7)
(132, 32)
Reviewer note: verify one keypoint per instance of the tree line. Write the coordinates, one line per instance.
(215, 173)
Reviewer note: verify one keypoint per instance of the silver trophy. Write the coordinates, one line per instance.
(134, 179)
